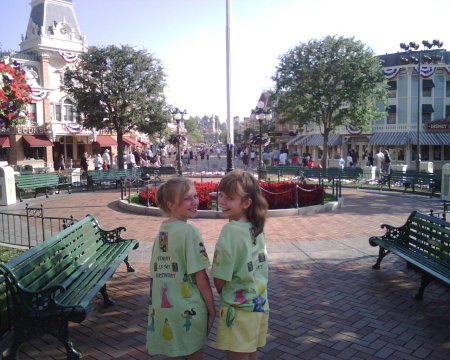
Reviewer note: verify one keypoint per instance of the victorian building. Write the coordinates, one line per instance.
(51, 44)
(418, 112)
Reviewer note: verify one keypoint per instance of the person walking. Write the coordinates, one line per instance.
(107, 159)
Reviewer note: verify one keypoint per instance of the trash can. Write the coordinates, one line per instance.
(445, 186)
(7, 186)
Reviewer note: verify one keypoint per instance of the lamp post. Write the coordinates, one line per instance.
(419, 57)
(178, 115)
(261, 113)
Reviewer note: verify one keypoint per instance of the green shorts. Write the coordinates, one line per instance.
(248, 332)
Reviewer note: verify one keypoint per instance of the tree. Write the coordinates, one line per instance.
(193, 132)
(120, 89)
(330, 82)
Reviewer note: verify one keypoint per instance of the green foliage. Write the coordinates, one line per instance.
(193, 133)
(7, 253)
(120, 89)
(330, 82)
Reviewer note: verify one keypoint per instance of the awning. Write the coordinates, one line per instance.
(427, 108)
(317, 140)
(427, 84)
(295, 140)
(129, 141)
(389, 138)
(105, 141)
(426, 138)
(4, 141)
(36, 141)
(144, 143)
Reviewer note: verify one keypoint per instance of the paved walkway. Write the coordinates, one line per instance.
(326, 301)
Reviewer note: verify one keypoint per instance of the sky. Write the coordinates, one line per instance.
(189, 37)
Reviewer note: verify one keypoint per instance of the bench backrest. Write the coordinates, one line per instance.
(44, 179)
(53, 261)
(430, 235)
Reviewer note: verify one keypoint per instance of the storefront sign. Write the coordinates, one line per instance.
(26, 130)
(438, 125)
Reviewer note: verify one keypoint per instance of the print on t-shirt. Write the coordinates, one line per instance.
(164, 241)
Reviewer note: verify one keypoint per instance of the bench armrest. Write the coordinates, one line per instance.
(393, 233)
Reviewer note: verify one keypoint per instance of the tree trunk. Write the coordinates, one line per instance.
(120, 150)
(326, 134)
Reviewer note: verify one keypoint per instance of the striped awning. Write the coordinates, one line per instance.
(129, 141)
(405, 138)
(295, 140)
(389, 138)
(317, 140)
(426, 138)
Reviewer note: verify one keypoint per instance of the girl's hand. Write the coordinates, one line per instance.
(211, 318)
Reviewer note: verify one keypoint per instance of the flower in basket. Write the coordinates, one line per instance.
(15, 94)
(174, 139)
(262, 139)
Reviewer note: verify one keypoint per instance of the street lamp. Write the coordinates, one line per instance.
(178, 115)
(261, 113)
(419, 57)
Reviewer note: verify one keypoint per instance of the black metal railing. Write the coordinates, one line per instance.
(442, 214)
(31, 228)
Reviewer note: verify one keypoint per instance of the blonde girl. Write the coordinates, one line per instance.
(181, 311)
(240, 267)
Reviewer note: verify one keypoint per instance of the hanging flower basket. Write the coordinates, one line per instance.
(260, 140)
(175, 139)
(15, 94)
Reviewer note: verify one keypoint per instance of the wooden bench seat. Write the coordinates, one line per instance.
(412, 179)
(45, 181)
(54, 282)
(424, 241)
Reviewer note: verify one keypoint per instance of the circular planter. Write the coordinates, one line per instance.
(213, 214)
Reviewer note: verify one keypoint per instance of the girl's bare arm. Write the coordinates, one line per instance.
(205, 290)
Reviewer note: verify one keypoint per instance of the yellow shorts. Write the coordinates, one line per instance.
(248, 333)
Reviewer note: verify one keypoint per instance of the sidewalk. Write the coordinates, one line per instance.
(326, 301)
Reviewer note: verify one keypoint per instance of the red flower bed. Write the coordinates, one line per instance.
(281, 195)
(203, 191)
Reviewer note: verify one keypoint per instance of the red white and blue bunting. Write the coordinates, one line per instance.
(425, 71)
(447, 68)
(38, 95)
(74, 128)
(353, 131)
(69, 57)
(391, 73)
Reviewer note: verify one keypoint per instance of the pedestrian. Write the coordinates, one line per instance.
(276, 157)
(107, 159)
(370, 160)
(60, 166)
(131, 160)
(84, 162)
(98, 162)
(349, 161)
(379, 161)
(283, 158)
(341, 163)
(387, 162)
(181, 312)
(240, 267)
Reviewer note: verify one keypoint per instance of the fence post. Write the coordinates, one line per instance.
(148, 194)
(296, 195)
(28, 226)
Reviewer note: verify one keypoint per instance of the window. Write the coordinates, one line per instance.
(427, 87)
(425, 152)
(447, 112)
(32, 111)
(58, 112)
(4, 154)
(34, 152)
(447, 88)
(392, 88)
(427, 110)
(447, 152)
(436, 152)
(68, 110)
(392, 114)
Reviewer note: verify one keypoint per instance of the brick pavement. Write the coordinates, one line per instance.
(326, 301)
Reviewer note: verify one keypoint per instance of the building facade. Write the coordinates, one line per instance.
(418, 112)
(51, 44)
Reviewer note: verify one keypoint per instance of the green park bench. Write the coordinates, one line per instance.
(411, 179)
(105, 178)
(281, 171)
(424, 242)
(54, 282)
(43, 181)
